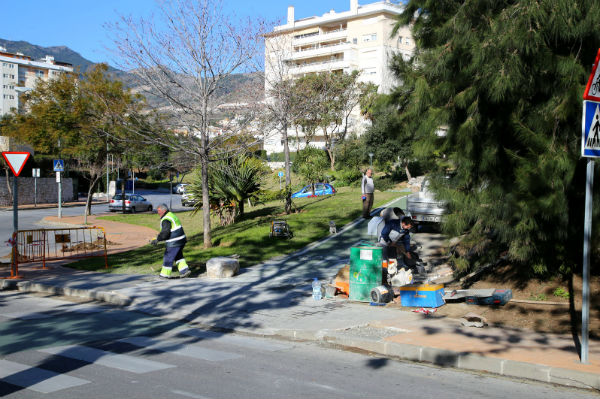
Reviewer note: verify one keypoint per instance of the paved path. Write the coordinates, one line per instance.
(273, 299)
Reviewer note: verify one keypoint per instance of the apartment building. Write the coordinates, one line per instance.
(359, 39)
(19, 73)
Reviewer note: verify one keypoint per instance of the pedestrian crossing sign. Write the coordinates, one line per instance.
(590, 140)
(59, 165)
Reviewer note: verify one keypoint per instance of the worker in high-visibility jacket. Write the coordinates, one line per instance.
(171, 232)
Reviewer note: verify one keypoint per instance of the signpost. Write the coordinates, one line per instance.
(16, 161)
(280, 174)
(35, 173)
(590, 148)
(59, 166)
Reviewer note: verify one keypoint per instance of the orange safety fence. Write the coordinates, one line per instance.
(43, 245)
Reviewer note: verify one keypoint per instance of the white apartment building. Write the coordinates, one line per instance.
(19, 73)
(356, 40)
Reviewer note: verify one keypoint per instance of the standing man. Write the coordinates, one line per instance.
(171, 232)
(368, 188)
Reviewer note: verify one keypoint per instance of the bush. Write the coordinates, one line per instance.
(270, 195)
(280, 157)
(385, 183)
(347, 177)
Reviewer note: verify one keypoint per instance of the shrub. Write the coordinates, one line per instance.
(347, 177)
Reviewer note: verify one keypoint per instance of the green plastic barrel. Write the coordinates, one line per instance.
(365, 272)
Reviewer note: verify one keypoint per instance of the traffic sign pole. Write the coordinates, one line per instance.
(587, 235)
(590, 147)
(59, 181)
(15, 206)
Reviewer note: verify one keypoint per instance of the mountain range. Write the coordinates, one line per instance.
(228, 93)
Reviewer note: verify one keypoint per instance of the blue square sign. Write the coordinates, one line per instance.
(59, 165)
(590, 139)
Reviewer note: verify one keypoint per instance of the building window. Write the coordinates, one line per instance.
(370, 37)
(369, 71)
(407, 41)
(39, 74)
(355, 41)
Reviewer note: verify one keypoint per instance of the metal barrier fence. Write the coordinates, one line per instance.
(43, 245)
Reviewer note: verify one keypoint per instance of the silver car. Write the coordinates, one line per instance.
(133, 203)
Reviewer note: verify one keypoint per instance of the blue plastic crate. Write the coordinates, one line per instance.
(416, 295)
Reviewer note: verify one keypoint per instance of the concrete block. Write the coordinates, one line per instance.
(222, 267)
(574, 378)
(403, 351)
(441, 357)
(8, 285)
(530, 371)
(480, 363)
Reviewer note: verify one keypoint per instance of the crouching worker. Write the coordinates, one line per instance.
(171, 232)
(396, 235)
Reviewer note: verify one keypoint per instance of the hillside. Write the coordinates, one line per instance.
(230, 91)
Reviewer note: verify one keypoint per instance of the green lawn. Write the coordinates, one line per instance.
(249, 237)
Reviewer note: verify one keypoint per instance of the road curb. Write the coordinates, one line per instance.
(112, 297)
(467, 361)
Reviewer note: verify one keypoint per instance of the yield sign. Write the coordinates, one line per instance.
(16, 160)
(592, 90)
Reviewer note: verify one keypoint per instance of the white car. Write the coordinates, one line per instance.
(180, 188)
(187, 199)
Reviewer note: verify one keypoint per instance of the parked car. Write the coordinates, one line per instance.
(320, 189)
(133, 203)
(180, 188)
(187, 199)
(423, 206)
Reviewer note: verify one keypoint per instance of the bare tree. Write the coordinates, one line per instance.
(184, 57)
(282, 104)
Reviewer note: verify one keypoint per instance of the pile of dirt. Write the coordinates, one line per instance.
(552, 306)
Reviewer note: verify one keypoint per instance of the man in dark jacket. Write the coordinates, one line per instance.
(171, 232)
(396, 234)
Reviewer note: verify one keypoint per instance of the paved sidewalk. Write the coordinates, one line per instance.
(274, 299)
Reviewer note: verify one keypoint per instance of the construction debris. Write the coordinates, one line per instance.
(473, 320)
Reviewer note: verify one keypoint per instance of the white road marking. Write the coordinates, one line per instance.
(36, 379)
(192, 351)
(108, 359)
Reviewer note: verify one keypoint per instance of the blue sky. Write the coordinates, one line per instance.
(79, 24)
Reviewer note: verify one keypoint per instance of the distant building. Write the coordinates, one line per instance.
(355, 40)
(19, 73)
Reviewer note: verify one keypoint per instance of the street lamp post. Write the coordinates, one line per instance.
(107, 172)
(59, 181)
(371, 159)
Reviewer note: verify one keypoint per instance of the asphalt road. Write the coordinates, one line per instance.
(30, 218)
(53, 348)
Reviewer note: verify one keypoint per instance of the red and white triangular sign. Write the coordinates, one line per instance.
(592, 90)
(15, 160)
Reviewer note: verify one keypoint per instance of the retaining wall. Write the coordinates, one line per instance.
(47, 190)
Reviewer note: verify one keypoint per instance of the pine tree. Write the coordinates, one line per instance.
(506, 78)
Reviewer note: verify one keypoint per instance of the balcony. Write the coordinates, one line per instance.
(331, 35)
(321, 51)
(320, 66)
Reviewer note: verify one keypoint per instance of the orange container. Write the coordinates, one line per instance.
(343, 287)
